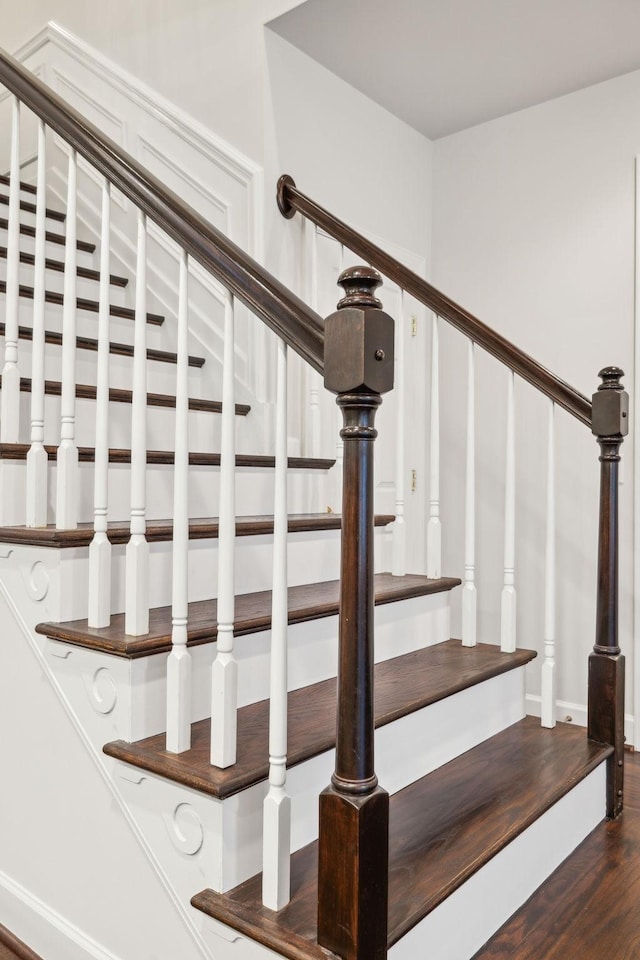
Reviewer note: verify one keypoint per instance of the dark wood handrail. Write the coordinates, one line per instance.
(299, 326)
(290, 200)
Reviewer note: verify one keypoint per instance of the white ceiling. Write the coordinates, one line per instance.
(445, 65)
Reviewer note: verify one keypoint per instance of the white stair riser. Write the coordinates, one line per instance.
(161, 376)
(86, 287)
(313, 556)
(204, 426)
(233, 832)
(53, 250)
(254, 491)
(120, 328)
(138, 708)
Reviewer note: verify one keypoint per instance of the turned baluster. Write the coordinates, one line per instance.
(610, 424)
(354, 809)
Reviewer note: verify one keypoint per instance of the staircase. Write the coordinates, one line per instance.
(149, 594)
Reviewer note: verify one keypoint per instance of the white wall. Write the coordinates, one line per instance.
(534, 231)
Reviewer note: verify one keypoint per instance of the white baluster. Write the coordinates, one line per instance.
(469, 593)
(100, 549)
(508, 599)
(37, 460)
(276, 848)
(314, 380)
(399, 537)
(548, 680)
(67, 457)
(179, 662)
(337, 470)
(224, 700)
(434, 529)
(10, 396)
(137, 553)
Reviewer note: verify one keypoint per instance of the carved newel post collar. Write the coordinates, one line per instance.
(610, 405)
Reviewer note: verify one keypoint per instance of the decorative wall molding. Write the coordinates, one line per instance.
(175, 120)
(37, 924)
(102, 690)
(185, 829)
(37, 582)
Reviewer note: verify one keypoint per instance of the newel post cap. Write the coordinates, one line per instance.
(358, 348)
(610, 405)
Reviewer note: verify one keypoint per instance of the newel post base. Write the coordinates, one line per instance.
(353, 874)
(605, 723)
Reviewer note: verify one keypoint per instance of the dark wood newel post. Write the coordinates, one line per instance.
(354, 809)
(610, 425)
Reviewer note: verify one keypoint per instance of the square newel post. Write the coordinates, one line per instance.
(610, 424)
(354, 809)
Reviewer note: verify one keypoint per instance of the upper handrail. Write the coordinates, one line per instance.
(290, 200)
(291, 319)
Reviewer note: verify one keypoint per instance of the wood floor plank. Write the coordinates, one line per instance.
(588, 908)
(11, 948)
(443, 828)
(311, 601)
(203, 528)
(402, 686)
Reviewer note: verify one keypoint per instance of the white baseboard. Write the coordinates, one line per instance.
(43, 929)
(576, 713)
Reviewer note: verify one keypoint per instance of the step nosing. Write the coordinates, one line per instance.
(202, 528)
(253, 615)
(19, 451)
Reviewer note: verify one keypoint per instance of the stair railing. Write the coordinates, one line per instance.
(606, 414)
(356, 358)
(243, 281)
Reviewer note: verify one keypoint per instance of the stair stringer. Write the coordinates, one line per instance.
(52, 871)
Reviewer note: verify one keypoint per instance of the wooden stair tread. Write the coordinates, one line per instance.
(402, 685)
(82, 303)
(53, 388)
(86, 273)
(443, 828)
(309, 601)
(29, 207)
(202, 528)
(19, 451)
(118, 349)
(50, 237)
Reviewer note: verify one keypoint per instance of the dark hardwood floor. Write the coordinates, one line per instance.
(13, 949)
(589, 909)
